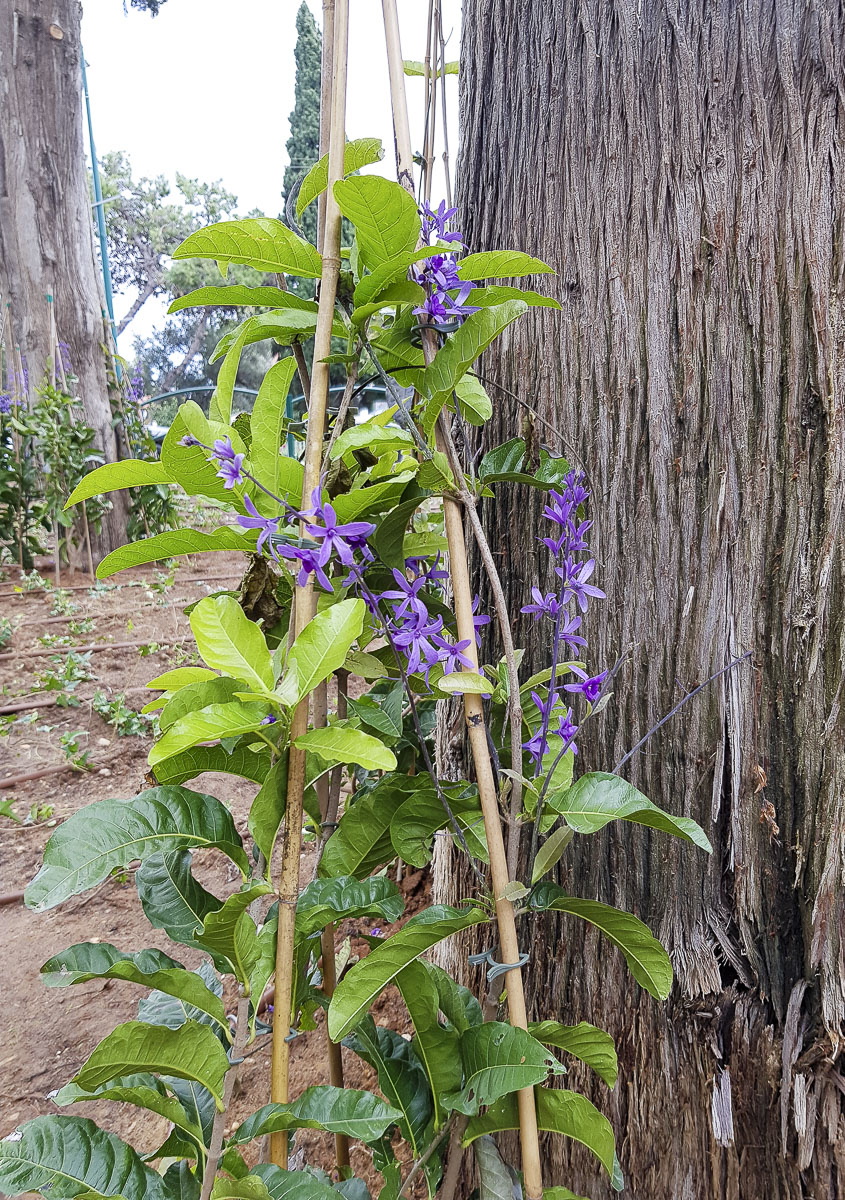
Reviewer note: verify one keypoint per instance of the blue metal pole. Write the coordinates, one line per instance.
(101, 216)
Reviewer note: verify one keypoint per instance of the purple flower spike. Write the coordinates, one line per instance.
(590, 686)
(543, 605)
(267, 525)
(6, 403)
(232, 472)
(575, 582)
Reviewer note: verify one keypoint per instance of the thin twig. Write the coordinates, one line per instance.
(429, 1150)
(340, 419)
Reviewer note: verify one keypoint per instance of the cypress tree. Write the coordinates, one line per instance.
(303, 145)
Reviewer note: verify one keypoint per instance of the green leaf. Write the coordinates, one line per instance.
(438, 1048)
(238, 296)
(371, 286)
(322, 646)
(171, 897)
(368, 436)
(259, 242)
(463, 347)
(143, 1091)
(389, 538)
(487, 296)
(403, 292)
(325, 900)
(361, 843)
(171, 544)
(647, 961)
(418, 819)
(598, 798)
(591, 1045)
(401, 1078)
(220, 405)
(368, 978)
(366, 666)
(149, 968)
(461, 682)
(268, 808)
(498, 1059)
(384, 215)
(190, 1052)
(340, 744)
(560, 1193)
(505, 463)
(230, 931)
(558, 1111)
(495, 1180)
(179, 677)
(190, 465)
(337, 1110)
(474, 405)
(359, 153)
(216, 721)
(500, 264)
(112, 477)
(230, 642)
(70, 1156)
(292, 1185)
(550, 852)
(251, 1187)
(107, 834)
(283, 325)
(219, 689)
(381, 712)
(248, 764)
(279, 474)
(413, 67)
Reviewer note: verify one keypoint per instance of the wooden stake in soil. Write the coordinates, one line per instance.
(473, 710)
(292, 837)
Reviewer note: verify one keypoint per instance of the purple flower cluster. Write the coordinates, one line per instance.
(332, 540)
(574, 568)
(439, 273)
(7, 403)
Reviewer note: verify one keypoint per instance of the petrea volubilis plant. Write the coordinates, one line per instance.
(366, 535)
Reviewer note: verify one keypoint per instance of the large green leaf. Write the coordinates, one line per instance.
(70, 1156)
(401, 1078)
(251, 1187)
(474, 405)
(230, 931)
(500, 264)
(598, 798)
(150, 968)
(361, 843)
(437, 1047)
(591, 1045)
(247, 764)
(143, 1091)
(112, 477)
(368, 978)
(341, 744)
(558, 1111)
(405, 292)
(179, 677)
(369, 436)
(259, 242)
(325, 900)
(337, 1110)
(230, 642)
(375, 498)
(359, 153)
(457, 1003)
(498, 1059)
(322, 647)
(268, 808)
(220, 405)
(647, 961)
(381, 711)
(417, 820)
(112, 833)
(171, 897)
(371, 286)
(220, 689)
(190, 465)
(190, 1052)
(279, 474)
(159, 1008)
(507, 462)
(384, 215)
(487, 296)
(389, 538)
(238, 295)
(283, 325)
(216, 721)
(495, 1181)
(292, 1185)
(171, 544)
(463, 347)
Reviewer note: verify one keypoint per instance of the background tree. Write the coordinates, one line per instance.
(303, 145)
(682, 169)
(46, 236)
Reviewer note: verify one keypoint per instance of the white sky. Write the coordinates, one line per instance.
(207, 87)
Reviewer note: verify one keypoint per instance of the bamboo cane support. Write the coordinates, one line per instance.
(473, 709)
(292, 838)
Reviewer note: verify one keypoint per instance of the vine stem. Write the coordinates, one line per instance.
(292, 838)
(473, 709)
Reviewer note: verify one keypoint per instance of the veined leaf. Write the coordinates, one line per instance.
(112, 477)
(359, 153)
(495, 294)
(143, 1091)
(341, 744)
(404, 292)
(591, 1045)
(388, 539)
(413, 67)
(361, 842)
(220, 405)
(560, 1193)
(438, 1048)
(368, 978)
(248, 764)
(371, 286)
(216, 721)
(230, 642)
(219, 689)
(376, 497)
(474, 404)
(171, 544)
(465, 345)
(382, 712)
(251, 1187)
(283, 325)
(598, 798)
(279, 474)
(179, 677)
(292, 1185)
(190, 465)
(647, 961)
(496, 1182)
(159, 1008)
(171, 897)
(259, 242)
(230, 931)
(461, 682)
(267, 810)
(500, 264)
(400, 1077)
(338, 1110)
(498, 1059)
(238, 296)
(551, 851)
(384, 215)
(504, 463)
(323, 645)
(415, 822)
(149, 968)
(70, 1156)
(111, 833)
(338, 899)
(190, 1052)
(372, 437)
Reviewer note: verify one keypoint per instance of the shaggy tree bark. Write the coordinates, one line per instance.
(46, 233)
(681, 167)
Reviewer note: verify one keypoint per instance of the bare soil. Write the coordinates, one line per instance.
(48, 1033)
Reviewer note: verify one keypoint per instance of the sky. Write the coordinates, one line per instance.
(206, 88)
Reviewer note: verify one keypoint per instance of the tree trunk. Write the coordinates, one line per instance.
(681, 167)
(46, 233)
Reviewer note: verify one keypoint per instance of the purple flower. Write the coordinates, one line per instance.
(188, 440)
(434, 221)
(575, 576)
(547, 605)
(231, 472)
(405, 596)
(414, 638)
(6, 403)
(311, 562)
(267, 525)
(452, 654)
(590, 686)
(567, 729)
(223, 450)
(478, 622)
(375, 931)
(269, 720)
(342, 540)
(431, 573)
(568, 631)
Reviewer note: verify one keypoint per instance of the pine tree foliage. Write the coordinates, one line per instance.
(303, 145)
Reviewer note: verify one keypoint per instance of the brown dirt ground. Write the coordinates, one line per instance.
(48, 1033)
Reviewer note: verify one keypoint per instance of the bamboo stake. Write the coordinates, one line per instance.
(292, 838)
(473, 710)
